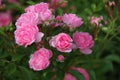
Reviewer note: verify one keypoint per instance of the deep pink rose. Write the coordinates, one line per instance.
(62, 42)
(26, 34)
(40, 59)
(69, 76)
(30, 17)
(82, 71)
(60, 58)
(84, 41)
(72, 20)
(42, 9)
(5, 19)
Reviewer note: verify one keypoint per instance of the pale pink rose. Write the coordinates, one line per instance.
(26, 34)
(62, 42)
(42, 9)
(60, 58)
(5, 19)
(30, 17)
(82, 71)
(72, 20)
(84, 41)
(69, 76)
(40, 59)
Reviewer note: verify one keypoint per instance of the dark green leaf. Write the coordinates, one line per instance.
(77, 75)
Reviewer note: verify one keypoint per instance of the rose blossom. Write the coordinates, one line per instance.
(72, 20)
(82, 71)
(60, 58)
(62, 42)
(5, 19)
(42, 9)
(30, 17)
(26, 34)
(40, 59)
(84, 41)
(69, 76)
(37, 8)
(95, 20)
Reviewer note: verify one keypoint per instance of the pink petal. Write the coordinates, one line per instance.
(86, 51)
(39, 37)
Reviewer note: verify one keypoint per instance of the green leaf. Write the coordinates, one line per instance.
(30, 2)
(92, 74)
(60, 75)
(10, 69)
(26, 73)
(17, 57)
(60, 11)
(113, 57)
(78, 75)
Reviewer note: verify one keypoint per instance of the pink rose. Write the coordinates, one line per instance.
(60, 58)
(82, 71)
(26, 34)
(40, 59)
(5, 19)
(69, 76)
(30, 17)
(45, 15)
(42, 9)
(84, 41)
(62, 42)
(72, 20)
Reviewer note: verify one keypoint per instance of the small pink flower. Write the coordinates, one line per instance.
(84, 41)
(62, 42)
(95, 20)
(59, 18)
(30, 17)
(82, 71)
(69, 76)
(5, 19)
(72, 20)
(60, 58)
(26, 34)
(40, 59)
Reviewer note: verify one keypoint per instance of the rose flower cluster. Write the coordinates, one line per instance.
(28, 31)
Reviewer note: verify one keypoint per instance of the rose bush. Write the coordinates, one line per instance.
(49, 40)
